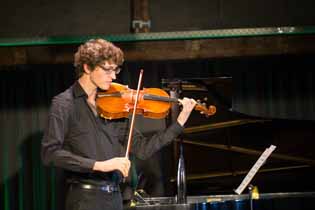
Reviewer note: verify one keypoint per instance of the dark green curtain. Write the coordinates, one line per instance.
(26, 92)
(280, 87)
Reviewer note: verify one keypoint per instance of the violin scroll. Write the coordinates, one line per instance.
(211, 110)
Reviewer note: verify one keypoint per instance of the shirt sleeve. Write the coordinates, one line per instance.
(52, 145)
(144, 147)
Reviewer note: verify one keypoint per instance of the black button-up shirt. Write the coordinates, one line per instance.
(75, 138)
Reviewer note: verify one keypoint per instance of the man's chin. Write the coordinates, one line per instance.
(104, 87)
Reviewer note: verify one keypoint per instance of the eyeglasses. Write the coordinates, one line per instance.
(109, 70)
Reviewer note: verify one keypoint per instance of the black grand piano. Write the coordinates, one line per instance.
(267, 201)
(218, 152)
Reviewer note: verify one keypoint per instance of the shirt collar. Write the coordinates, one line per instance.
(78, 90)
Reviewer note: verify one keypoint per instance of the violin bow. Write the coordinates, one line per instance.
(133, 115)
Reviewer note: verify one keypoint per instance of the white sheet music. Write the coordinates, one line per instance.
(255, 168)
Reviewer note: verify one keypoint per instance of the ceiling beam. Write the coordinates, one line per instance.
(140, 16)
(169, 49)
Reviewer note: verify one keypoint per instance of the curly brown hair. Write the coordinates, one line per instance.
(94, 52)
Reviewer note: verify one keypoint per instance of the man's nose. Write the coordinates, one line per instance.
(113, 75)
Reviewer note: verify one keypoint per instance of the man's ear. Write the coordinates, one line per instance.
(86, 68)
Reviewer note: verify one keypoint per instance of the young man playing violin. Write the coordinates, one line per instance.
(89, 148)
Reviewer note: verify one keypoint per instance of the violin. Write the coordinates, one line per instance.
(119, 100)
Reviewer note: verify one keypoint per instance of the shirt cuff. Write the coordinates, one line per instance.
(176, 129)
(88, 164)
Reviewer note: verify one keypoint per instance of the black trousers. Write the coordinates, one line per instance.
(87, 199)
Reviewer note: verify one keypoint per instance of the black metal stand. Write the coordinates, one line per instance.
(181, 176)
(181, 197)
